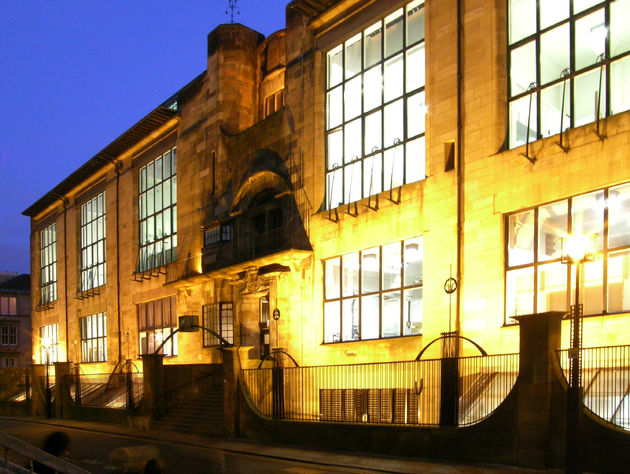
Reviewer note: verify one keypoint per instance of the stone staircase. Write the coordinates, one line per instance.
(201, 414)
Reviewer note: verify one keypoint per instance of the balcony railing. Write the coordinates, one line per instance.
(391, 393)
(605, 382)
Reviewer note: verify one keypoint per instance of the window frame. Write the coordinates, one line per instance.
(93, 346)
(535, 90)
(93, 234)
(48, 264)
(380, 293)
(148, 329)
(8, 335)
(8, 305)
(399, 152)
(218, 317)
(50, 331)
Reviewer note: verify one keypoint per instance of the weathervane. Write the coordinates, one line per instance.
(230, 8)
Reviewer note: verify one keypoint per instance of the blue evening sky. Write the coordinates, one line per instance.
(75, 74)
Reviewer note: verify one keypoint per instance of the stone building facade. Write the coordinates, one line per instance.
(296, 193)
(15, 320)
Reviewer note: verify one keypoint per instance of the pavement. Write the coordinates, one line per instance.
(322, 460)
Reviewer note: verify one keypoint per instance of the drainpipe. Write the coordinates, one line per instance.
(118, 168)
(460, 175)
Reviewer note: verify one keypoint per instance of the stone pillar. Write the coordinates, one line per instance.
(62, 389)
(540, 396)
(449, 393)
(233, 358)
(37, 372)
(154, 385)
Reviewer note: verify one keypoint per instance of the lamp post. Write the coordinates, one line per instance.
(46, 345)
(576, 250)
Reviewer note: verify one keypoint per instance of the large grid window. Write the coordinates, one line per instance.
(49, 344)
(375, 108)
(48, 264)
(8, 335)
(157, 320)
(94, 338)
(569, 64)
(93, 243)
(219, 317)
(157, 208)
(8, 305)
(375, 293)
(537, 281)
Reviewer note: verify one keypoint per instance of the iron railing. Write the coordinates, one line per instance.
(120, 390)
(391, 392)
(605, 382)
(485, 382)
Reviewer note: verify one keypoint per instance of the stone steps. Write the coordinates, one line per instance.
(201, 415)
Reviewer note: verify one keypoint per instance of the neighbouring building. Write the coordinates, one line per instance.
(15, 320)
(297, 193)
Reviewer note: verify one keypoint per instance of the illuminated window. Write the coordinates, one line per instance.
(537, 281)
(49, 335)
(375, 293)
(48, 264)
(274, 102)
(94, 338)
(8, 305)
(216, 234)
(93, 243)
(157, 208)
(569, 61)
(375, 108)
(8, 335)
(156, 322)
(219, 317)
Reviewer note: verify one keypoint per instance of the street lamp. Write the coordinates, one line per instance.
(575, 250)
(46, 343)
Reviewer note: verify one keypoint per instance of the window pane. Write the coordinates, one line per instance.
(394, 123)
(522, 114)
(412, 312)
(618, 212)
(331, 278)
(522, 19)
(350, 321)
(581, 5)
(591, 286)
(415, 68)
(590, 39)
(335, 66)
(521, 239)
(372, 88)
(620, 92)
(619, 282)
(519, 293)
(334, 188)
(554, 109)
(415, 160)
(373, 132)
(413, 262)
(335, 149)
(353, 56)
(586, 97)
(352, 141)
(332, 322)
(370, 311)
(391, 266)
(588, 216)
(372, 175)
(552, 227)
(393, 167)
(370, 270)
(334, 108)
(553, 12)
(352, 177)
(554, 53)
(522, 68)
(350, 264)
(352, 98)
(416, 111)
(552, 287)
(415, 22)
(393, 78)
(391, 314)
(619, 31)
(372, 42)
(393, 32)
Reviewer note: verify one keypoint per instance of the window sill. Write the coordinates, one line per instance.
(371, 340)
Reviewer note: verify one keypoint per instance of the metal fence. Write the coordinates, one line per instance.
(391, 393)
(605, 382)
(120, 390)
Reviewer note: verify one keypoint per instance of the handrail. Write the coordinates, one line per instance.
(18, 446)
